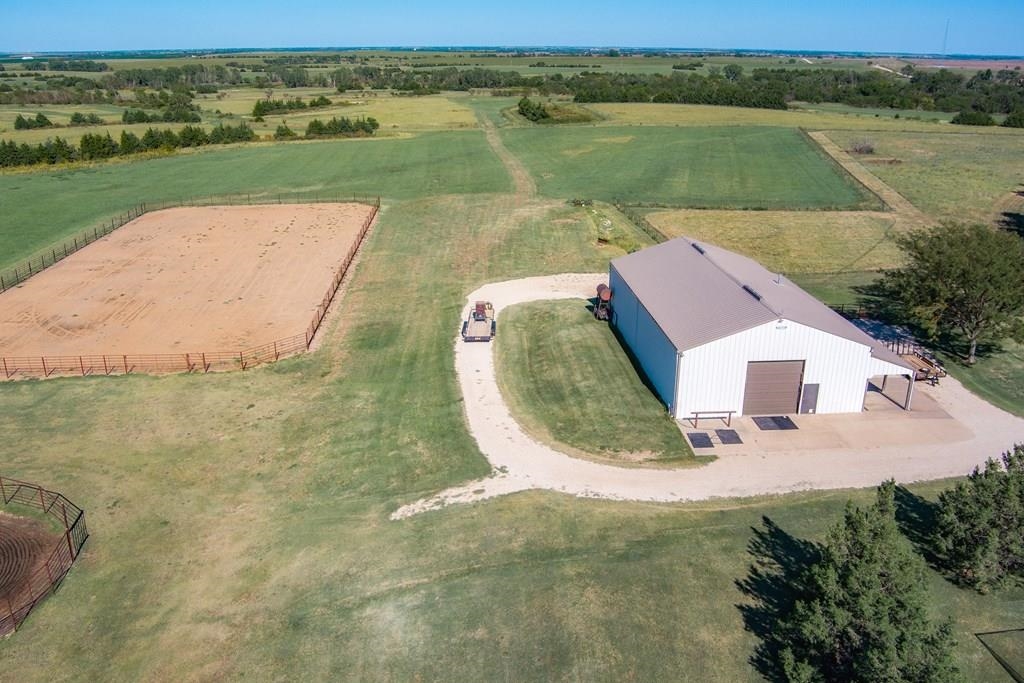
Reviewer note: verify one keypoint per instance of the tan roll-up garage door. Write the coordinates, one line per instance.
(773, 387)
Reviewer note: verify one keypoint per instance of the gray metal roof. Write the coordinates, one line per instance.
(699, 293)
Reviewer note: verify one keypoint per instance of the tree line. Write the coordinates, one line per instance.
(268, 106)
(41, 121)
(342, 127)
(175, 114)
(998, 92)
(167, 77)
(103, 146)
(71, 65)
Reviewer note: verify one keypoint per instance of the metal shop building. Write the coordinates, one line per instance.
(716, 332)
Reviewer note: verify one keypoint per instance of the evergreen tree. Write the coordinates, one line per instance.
(130, 143)
(980, 522)
(863, 617)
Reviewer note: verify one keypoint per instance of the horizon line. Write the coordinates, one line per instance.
(500, 48)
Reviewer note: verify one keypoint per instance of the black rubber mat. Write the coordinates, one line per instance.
(778, 422)
(699, 439)
(729, 437)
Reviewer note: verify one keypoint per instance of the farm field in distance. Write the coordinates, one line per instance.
(240, 521)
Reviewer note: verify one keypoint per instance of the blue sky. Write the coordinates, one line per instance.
(977, 27)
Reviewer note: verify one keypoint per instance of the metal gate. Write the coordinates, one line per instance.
(773, 387)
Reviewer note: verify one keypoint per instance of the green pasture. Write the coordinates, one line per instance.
(708, 167)
(964, 176)
(240, 521)
(41, 208)
(570, 383)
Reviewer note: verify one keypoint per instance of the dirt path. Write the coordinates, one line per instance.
(521, 463)
(524, 185)
(897, 202)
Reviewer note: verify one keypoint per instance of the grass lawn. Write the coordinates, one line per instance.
(964, 176)
(720, 167)
(570, 383)
(39, 209)
(792, 241)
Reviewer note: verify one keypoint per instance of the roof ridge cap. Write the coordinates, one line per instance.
(742, 285)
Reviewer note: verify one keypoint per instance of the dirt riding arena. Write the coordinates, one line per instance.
(24, 546)
(184, 280)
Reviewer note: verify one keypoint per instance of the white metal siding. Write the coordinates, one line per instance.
(651, 348)
(712, 376)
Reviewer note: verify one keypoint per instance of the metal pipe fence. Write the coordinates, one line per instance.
(44, 366)
(44, 580)
(56, 254)
(44, 259)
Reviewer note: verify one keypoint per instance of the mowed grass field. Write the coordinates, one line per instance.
(240, 521)
(42, 208)
(700, 167)
(570, 383)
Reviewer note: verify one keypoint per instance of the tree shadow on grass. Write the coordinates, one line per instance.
(1013, 221)
(916, 518)
(773, 584)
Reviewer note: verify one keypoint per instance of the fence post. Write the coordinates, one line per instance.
(81, 364)
(5, 369)
(10, 610)
(45, 373)
(67, 530)
(125, 359)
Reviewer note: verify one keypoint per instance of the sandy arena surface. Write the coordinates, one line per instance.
(949, 432)
(184, 280)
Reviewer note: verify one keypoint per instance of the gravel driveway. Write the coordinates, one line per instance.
(521, 463)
